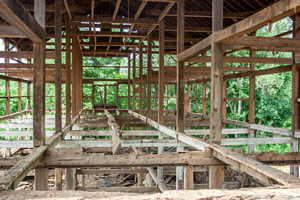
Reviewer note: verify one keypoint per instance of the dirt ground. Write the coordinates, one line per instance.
(271, 193)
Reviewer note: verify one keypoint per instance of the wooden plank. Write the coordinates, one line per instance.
(162, 186)
(257, 140)
(16, 14)
(161, 81)
(116, 141)
(180, 67)
(15, 175)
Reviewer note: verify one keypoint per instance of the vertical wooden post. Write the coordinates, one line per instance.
(128, 85)
(70, 179)
(216, 76)
(93, 96)
(217, 173)
(180, 67)
(7, 108)
(189, 177)
(133, 82)
(105, 96)
(19, 96)
(203, 98)
(117, 91)
(149, 74)
(39, 49)
(161, 78)
(141, 78)
(58, 117)
(76, 74)
(179, 173)
(58, 33)
(68, 71)
(216, 176)
(294, 169)
(204, 84)
(252, 99)
(28, 96)
(160, 170)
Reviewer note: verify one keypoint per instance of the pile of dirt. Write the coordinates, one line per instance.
(270, 193)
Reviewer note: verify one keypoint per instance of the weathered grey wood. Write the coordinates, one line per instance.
(162, 186)
(257, 140)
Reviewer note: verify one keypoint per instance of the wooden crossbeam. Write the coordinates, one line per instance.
(16, 14)
(200, 14)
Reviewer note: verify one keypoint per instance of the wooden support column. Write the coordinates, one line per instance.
(93, 97)
(252, 98)
(39, 50)
(161, 78)
(19, 96)
(160, 170)
(189, 177)
(7, 108)
(179, 173)
(180, 67)
(204, 98)
(149, 74)
(128, 84)
(58, 37)
(28, 106)
(217, 173)
(141, 78)
(58, 82)
(216, 176)
(216, 76)
(76, 74)
(294, 169)
(68, 71)
(133, 83)
(70, 179)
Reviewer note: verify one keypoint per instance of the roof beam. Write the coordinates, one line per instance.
(207, 14)
(116, 9)
(270, 14)
(16, 14)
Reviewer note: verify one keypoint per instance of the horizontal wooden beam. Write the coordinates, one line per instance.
(24, 54)
(55, 158)
(16, 14)
(201, 14)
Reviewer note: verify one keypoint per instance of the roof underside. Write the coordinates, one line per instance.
(99, 42)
